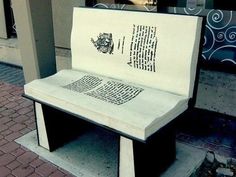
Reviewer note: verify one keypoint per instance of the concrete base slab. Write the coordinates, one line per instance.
(188, 159)
(96, 154)
(91, 155)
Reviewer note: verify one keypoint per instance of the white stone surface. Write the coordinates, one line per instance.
(42, 133)
(126, 167)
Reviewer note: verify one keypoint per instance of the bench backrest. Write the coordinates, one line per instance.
(151, 49)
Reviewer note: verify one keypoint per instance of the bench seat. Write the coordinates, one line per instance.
(140, 117)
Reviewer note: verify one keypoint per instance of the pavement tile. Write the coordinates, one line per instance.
(27, 157)
(13, 136)
(21, 100)
(15, 98)
(3, 127)
(2, 108)
(31, 114)
(17, 92)
(4, 120)
(24, 110)
(6, 88)
(5, 159)
(3, 141)
(2, 104)
(13, 165)
(9, 147)
(10, 123)
(10, 175)
(18, 152)
(57, 174)
(11, 105)
(7, 112)
(23, 171)
(45, 169)
(2, 99)
(17, 127)
(25, 130)
(1, 153)
(36, 163)
(29, 121)
(8, 97)
(6, 132)
(4, 171)
(15, 109)
(21, 118)
(34, 175)
(32, 126)
(26, 103)
(3, 93)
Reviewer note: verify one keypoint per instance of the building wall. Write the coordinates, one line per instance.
(3, 31)
(62, 20)
(10, 52)
(219, 36)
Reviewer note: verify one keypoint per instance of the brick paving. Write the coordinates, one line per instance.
(17, 119)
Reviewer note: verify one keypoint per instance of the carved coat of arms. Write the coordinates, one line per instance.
(104, 43)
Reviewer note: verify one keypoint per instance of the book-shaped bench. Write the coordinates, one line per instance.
(132, 73)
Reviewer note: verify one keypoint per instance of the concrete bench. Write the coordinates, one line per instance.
(133, 73)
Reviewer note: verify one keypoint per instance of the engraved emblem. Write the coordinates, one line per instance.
(104, 43)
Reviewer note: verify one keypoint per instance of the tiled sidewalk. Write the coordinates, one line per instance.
(11, 74)
(17, 119)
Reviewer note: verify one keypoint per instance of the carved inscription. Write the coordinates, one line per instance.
(84, 84)
(143, 48)
(111, 91)
(115, 92)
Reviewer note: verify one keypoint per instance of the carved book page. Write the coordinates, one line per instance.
(144, 48)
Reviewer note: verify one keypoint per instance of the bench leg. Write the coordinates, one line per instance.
(41, 128)
(126, 166)
(139, 159)
(56, 127)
